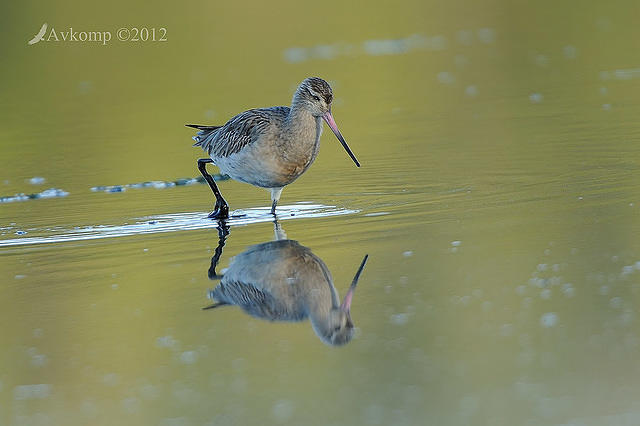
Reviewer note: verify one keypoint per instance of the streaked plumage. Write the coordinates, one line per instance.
(269, 147)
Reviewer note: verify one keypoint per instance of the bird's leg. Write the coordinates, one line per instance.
(275, 196)
(221, 209)
(223, 231)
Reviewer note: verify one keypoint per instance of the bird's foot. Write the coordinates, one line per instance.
(221, 211)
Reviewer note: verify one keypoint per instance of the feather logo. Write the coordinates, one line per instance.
(38, 36)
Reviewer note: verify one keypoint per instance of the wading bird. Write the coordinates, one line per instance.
(269, 147)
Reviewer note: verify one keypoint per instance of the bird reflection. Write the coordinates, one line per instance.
(282, 280)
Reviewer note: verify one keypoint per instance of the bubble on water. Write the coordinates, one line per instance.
(114, 286)
(542, 267)
(456, 243)
(626, 74)
(385, 47)
(39, 360)
(545, 294)
(471, 91)
(19, 276)
(283, 410)
(295, 54)
(568, 290)
(541, 60)
(604, 91)
(400, 319)
(538, 282)
(188, 357)
(486, 35)
(506, 330)
(131, 405)
(37, 180)
(111, 379)
(627, 317)
(604, 290)
(26, 392)
(548, 320)
(570, 52)
(445, 77)
(637, 266)
(521, 289)
(166, 342)
(628, 269)
(535, 98)
(145, 250)
(615, 302)
(606, 107)
(408, 253)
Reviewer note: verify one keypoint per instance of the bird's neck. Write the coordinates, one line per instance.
(303, 125)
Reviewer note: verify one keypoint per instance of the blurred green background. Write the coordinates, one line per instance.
(498, 201)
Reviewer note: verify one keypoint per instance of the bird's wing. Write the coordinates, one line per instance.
(39, 35)
(242, 130)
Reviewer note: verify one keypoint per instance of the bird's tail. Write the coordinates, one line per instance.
(204, 132)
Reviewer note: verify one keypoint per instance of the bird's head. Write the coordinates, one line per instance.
(315, 95)
(337, 328)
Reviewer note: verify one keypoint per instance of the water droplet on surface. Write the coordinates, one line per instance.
(37, 180)
(188, 357)
(548, 320)
(400, 319)
(536, 98)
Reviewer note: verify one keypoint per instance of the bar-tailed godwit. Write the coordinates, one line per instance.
(269, 147)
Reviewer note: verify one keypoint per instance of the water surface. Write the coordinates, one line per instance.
(498, 202)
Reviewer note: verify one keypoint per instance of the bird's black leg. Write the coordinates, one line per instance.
(223, 231)
(273, 207)
(221, 209)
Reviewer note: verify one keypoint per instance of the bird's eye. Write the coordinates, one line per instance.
(317, 98)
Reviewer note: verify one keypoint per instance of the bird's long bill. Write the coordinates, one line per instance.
(346, 303)
(334, 127)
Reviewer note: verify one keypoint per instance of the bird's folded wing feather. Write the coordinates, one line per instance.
(239, 132)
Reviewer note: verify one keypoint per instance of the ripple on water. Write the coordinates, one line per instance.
(176, 222)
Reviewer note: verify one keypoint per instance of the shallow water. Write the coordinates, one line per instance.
(497, 200)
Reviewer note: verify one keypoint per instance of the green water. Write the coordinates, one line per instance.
(498, 202)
